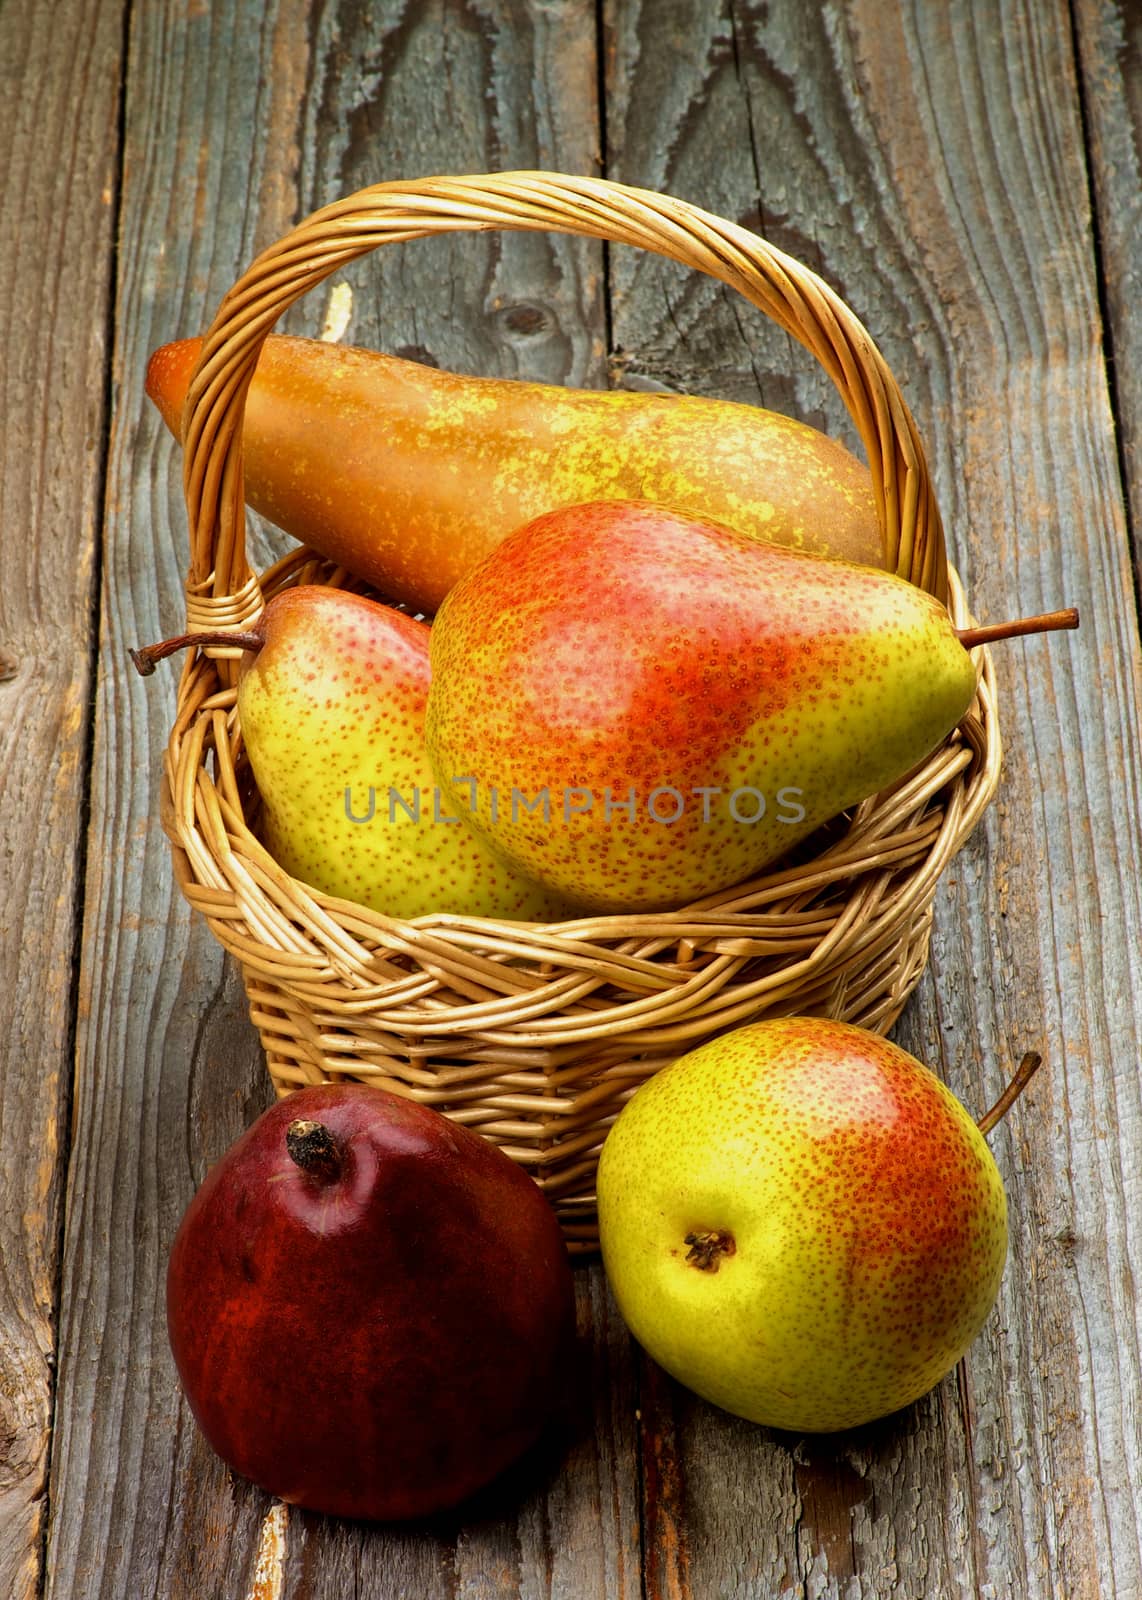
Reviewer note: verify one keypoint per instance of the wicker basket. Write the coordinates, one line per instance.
(536, 1035)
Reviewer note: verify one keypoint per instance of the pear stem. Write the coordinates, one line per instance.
(1019, 1080)
(146, 656)
(314, 1149)
(1047, 623)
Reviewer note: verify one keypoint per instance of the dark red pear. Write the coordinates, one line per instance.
(370, 1307)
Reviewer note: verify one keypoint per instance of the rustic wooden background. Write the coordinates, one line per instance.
(968, 174)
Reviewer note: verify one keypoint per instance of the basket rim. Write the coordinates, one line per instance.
(317, 943)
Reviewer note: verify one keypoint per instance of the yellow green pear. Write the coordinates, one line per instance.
(801, 1223)
(331, 699)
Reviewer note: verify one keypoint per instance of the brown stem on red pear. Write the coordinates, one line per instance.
(1047, 623)
(314, 1149)
(147, 655)
(1021, 1077)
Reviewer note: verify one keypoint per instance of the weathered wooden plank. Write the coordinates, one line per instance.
(1053, 1440)
(410, 89)
(929, 162)
(168, 1069)
(60, 71)
(237, 119)
(1109, 34)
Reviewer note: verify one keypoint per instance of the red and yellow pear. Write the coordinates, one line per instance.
(639, 709)
(802, 1223)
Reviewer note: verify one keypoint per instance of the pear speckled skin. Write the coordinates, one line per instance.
(333, 701)
(408, 475)
(716, 698)
(849, 1213)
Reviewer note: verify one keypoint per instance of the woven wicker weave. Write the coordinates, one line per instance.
(536, 1035)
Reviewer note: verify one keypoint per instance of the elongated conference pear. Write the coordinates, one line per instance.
(407, 475)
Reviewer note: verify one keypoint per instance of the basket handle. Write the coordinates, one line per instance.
(222, 591)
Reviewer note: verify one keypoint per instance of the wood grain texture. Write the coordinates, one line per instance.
(1109, 35)
(929, 162)
(450, 88)
(60, 76)
(168, 1069)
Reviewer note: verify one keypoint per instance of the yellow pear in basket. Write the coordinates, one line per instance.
(331, 701)
(639, 710)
